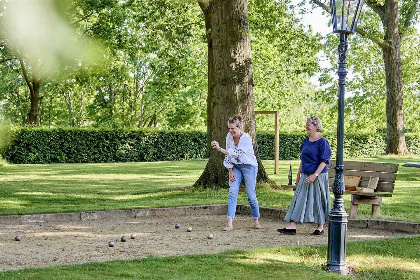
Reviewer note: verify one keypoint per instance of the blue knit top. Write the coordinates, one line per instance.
(313, 153)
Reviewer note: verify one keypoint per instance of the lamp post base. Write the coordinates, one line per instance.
(337, 235)
(339, 269)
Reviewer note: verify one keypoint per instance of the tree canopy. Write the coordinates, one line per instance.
(151, 68)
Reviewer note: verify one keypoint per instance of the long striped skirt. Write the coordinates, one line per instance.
(311, 202)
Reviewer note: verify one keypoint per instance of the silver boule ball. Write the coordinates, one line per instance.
(177, 225)
(133, 236)
(189, 229)
(111, 243)
(18, 238)
(123, 238)
(210, 236)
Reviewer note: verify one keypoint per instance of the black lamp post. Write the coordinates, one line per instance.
(345, 14)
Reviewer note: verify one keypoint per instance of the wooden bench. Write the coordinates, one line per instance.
(377, 181)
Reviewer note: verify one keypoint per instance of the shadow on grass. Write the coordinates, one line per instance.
(372, 260)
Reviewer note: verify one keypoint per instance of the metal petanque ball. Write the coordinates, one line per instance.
(189, 229)
(133, 236)
(111, 243)
(177, 225)
(123, 239)
(18, 238)
(210, 236)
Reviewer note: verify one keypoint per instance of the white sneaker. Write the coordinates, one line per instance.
(257, 225)
(228, 228)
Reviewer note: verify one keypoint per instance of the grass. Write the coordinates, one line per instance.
(380, 259)
(51, 188)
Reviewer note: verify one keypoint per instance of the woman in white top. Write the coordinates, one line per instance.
(241, 163)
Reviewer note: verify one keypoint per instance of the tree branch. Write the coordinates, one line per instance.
(322, 5)
(204, 4)
(6, 59)
(411, 12)
(377, 8)
(84, 18)
(25, 74)
(381, 43)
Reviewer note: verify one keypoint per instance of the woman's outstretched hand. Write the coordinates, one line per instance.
(215, 145)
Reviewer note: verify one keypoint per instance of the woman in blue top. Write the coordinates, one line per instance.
(311, 202)
(242, 164)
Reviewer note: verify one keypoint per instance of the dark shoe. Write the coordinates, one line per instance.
(287, 231)
(317, 232)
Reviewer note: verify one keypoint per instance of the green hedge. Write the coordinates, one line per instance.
(91, 145)
(39, 145)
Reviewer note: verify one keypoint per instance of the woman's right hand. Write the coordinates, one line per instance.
(232, 177)
(215, 145)
(297, 179)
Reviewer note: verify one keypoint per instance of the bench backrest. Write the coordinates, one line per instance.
(385, 171)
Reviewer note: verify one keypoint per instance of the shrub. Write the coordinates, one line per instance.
(41, 145)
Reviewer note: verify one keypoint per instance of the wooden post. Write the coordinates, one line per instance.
(276, 137)
(276, 144)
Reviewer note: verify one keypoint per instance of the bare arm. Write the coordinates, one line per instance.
(313, 177)
(215, 145)
(298, 174)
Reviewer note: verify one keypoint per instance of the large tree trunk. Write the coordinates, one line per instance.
(33, 115)
(395, 140)
(230, 82)
(34, 85)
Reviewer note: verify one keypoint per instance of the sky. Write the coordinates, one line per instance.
(316, 20)
(319, 22)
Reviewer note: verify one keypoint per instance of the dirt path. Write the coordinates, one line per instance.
(56, 243)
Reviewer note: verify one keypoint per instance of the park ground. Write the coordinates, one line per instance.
(57, 188)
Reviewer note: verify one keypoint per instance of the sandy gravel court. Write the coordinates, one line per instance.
(48, 243)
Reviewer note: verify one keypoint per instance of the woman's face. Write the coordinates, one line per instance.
(234, 130)
(310, 127)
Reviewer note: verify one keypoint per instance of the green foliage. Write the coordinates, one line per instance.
(366, 89)
(155, 69)
(5, 134)
(289, 145)
(40, 145)
(413, 143)
(284, 57)
(355, 145)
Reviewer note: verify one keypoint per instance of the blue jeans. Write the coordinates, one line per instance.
(249, 174)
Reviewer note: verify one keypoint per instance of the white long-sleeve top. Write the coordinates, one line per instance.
(243, 153)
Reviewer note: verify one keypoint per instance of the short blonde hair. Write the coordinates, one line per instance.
(316, 122)
(236, 119)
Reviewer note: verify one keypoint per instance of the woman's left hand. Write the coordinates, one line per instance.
(310, 179)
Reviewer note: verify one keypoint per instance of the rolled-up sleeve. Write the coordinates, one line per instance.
(243, 153)
(227, 162)
(325, 151)
(242, 148)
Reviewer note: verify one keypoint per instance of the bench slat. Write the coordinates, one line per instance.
(382, 186)
(367, 166)
(387, 177)
(375, 194)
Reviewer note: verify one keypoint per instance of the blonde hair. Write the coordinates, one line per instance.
(316, 122)
(236, 119)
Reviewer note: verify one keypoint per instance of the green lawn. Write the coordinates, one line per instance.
(382, 259)
(82, 187)
(49, 188)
